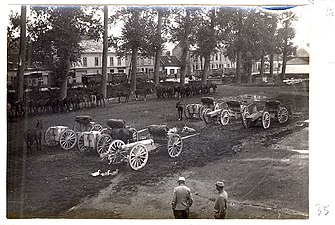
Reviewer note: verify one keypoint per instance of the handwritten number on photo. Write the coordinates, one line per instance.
(322, 210)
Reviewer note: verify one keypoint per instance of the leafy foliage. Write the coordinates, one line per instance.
(56, 34)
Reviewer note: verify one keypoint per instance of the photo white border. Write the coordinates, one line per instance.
(321, 140)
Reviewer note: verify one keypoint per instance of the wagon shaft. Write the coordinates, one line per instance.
(191, 135)
(254, 116)
(214, 113)
(142, 142)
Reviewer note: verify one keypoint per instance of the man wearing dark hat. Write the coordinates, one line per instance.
(182, 200)
(221, 204)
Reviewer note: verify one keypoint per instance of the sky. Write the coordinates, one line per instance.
(302, 25)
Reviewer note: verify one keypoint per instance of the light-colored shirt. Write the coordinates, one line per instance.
(221, 205)
(182, 198)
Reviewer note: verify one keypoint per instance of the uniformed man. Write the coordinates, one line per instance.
(221, 203)
(182, 200)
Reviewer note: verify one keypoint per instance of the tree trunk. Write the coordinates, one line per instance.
(271, 66)
(133, 69)
(104, 54)
(262, 67)
(65, 72)
(158, 50)
(209, 51)
(238, 67)
(249, 70)
(22, 54)
(205, 70)
(185, 54)
(285, 52)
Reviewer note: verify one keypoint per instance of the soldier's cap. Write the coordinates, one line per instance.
(181, 179)
(219, 184)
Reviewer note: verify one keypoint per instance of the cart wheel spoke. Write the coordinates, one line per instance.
(187, 111)
(50, 136)
(282, 115)
(96, 127)
(224, 117)
(81, 143)
(103, 143)
(115, 152)
(175, 145)
(68, 139)
(138, 157)
(207, 118)
(266, 120)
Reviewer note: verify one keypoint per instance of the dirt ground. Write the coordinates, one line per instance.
(266, 172)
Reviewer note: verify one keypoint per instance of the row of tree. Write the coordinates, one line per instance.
(245, 34)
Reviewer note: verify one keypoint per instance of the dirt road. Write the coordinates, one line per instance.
(264, 175)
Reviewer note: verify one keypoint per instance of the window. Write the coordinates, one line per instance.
(111, 70)
(111, 61)
(119, 61)
(216, 57)
(96, 61)
(84, 61)
(142, 61)
(120, 71)
(171, 71)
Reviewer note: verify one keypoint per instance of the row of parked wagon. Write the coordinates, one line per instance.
(118, 142)
(252, 110)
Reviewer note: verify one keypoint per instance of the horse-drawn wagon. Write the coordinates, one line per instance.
(261, 113)
(137, 153)
(196, 110)
(67, 138)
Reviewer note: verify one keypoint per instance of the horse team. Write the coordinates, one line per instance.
(174, 90)
(43, 102)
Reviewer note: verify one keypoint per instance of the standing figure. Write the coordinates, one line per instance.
(180, 110)
(221, 204)
(182, 200)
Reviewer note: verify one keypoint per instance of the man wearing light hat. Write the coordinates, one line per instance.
(221, 204)
(182, 200)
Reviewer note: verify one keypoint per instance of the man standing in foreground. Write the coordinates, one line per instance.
(182, 200)
(221, 204)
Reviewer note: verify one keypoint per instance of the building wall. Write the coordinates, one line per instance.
(217, 62)
(93, 64)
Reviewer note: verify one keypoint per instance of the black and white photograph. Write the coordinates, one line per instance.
(159, 112)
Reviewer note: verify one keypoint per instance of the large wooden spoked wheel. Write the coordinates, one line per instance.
(187, 111)
(68, 139)
(115, 152)
(206, 117)
(96, 127)
(282, 115)
(138, 157)
(103, 143)
(201, 110)
(81, 145)
(266, 119)
(105, 131)
(134, 134)
(174, 145)
(224, 117)
(50, 137)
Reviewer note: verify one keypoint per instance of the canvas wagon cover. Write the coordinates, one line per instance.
(116, 123)
(158, 130)
(207, 100)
